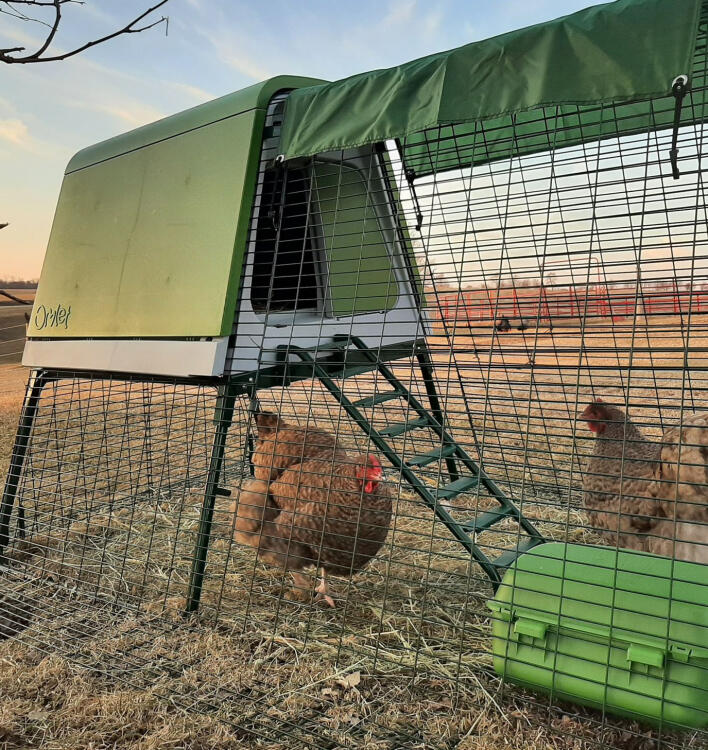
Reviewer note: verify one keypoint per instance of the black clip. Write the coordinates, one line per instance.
(679, 89)
(275, 207)
(410, 178)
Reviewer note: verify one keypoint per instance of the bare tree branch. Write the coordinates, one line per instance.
(15, 12)
(20, 9)
(52, 31)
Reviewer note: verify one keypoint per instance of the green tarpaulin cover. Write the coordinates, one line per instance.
(547, 85)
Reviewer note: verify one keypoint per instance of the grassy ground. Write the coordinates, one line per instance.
(106, 659)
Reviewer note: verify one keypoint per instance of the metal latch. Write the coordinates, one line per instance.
(679, 87)
(410, 179)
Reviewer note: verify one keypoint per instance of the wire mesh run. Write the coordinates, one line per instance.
(490, 377)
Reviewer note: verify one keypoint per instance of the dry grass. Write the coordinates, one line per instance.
(12, 381)
(108, 660)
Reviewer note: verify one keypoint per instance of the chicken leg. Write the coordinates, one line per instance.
(322, 591)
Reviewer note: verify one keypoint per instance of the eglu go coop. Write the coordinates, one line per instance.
(484, 269)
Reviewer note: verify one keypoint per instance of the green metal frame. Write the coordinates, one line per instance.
(223, 417)
(346, 357)
(38, 379)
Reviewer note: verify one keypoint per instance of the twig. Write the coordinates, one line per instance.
(10, 8)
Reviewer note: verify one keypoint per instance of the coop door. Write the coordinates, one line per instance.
(319, 243)
(286, 271)
(360, 275)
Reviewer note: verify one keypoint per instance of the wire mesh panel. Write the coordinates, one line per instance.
(453, 491)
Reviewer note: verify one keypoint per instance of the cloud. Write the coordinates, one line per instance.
(15, 131)
(19, 36)
(129, 100)
(232, 48)
(198, 94)
(248, 66)
(98, 14)
(330, 46)
(133, 113)
(7, 106)
(16, 134)
(432, 21)
(399, 11)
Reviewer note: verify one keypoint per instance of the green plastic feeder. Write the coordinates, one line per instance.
(617, 630)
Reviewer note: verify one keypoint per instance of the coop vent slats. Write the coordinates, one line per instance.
(442, 281)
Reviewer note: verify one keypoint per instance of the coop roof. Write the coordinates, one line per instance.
(231, 105)
(536, 87)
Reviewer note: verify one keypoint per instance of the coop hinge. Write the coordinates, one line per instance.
(410, 178)
(678, 89)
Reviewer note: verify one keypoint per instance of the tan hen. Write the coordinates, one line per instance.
(281, 445)
(330, 511)
(647, 495)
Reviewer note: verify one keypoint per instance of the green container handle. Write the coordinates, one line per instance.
(647, 655)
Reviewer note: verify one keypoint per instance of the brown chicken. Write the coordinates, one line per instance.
(646, 495)
(330, 511)
(281, 445)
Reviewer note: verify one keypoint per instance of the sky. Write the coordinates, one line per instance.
(49, 111)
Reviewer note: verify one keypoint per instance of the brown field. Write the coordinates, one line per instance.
(107, 660)
(24, 294)
(12, 326)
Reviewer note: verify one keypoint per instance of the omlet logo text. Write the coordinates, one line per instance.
(52, 317)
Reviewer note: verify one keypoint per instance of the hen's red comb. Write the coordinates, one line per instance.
(370, 473)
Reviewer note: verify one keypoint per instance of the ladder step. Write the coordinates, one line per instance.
(486, 520)
(400, 427)
(330, 346)
(442, 451)
(457, 487)
(507, 558)
(379, 398)
(323, 349)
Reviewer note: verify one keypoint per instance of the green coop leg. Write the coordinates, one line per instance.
(36, 383)
(223, 417)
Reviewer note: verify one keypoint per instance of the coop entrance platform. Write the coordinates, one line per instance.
(621, 631)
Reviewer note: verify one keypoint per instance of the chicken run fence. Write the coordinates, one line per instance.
(521, 325)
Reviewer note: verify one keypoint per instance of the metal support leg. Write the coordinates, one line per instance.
(255, 407)
(223, 416)
(36, 383)
(426, 368)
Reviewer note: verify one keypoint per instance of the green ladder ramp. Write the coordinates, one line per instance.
(468, 477)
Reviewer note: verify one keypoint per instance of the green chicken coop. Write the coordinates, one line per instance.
(298, 235)
(162, 257)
